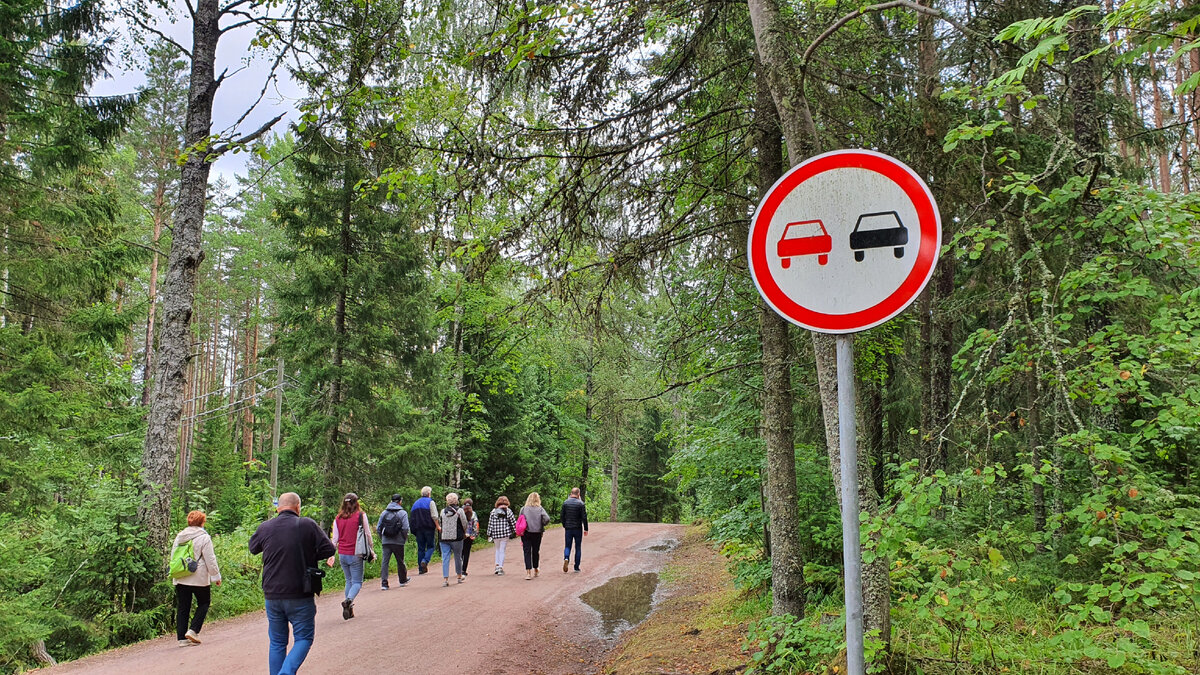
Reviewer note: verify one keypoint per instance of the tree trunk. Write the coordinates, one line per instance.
(787, 562)
(616, 467)
(800, 134)
(152, 310)
(588, 411)
(1032, 423)
(1164, 162)
(179, 285)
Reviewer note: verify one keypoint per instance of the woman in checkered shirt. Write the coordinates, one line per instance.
(502, 526)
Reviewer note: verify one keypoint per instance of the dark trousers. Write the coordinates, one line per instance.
(467, 553)
(183, 607)
(531, 545)
(576, 534)
(390, 550)
(426, 543)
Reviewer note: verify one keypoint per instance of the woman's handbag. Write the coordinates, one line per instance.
(361, 548)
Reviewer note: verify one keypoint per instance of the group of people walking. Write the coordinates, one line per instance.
(292, 546)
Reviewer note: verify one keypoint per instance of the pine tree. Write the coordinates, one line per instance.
(649, 497)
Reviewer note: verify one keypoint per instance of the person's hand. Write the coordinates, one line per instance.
(329, 562)
(218, 582)
(585, 533)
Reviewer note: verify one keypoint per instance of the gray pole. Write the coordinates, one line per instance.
(275, 429)
(851, 553)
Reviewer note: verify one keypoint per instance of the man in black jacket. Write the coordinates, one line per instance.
(290, 545)
(575, 527)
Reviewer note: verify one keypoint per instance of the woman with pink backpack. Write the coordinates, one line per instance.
(531, 525)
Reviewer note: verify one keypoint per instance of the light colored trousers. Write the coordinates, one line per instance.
(501, 545)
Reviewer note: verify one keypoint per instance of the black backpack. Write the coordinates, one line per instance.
(391, 524)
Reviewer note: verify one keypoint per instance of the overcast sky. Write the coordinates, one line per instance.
(235, 95)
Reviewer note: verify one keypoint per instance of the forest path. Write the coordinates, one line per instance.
(488, 625)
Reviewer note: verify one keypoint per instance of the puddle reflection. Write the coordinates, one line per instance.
(624, 601)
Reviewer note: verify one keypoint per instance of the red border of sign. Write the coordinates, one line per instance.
(929, 224)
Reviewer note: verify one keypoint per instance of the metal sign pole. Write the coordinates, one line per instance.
(851, 552)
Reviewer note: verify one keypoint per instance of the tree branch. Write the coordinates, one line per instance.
(883, 6)
(248, 138)
(678, 385)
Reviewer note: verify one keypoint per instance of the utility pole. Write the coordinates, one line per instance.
(275, 429)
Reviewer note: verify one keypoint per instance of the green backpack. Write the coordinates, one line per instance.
(183, 561)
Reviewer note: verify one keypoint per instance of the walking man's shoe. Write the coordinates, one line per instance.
(192, 637)
(566, 564)
(347, 609)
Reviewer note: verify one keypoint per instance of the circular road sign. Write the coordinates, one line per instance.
(844, 241)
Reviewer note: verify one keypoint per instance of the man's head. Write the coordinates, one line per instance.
(426, 491)
(398, 498)
(289, 501)
(575, 493)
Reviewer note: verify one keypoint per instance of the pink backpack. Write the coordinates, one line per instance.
(521, 525)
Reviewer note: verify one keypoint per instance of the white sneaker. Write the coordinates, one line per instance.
(192, 637)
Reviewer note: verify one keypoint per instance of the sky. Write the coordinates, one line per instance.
(235, 95)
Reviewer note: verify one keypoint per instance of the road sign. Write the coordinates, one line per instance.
(844, 241)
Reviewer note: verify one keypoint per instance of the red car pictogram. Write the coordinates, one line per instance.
(805, 237)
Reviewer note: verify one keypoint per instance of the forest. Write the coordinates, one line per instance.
(496, 247)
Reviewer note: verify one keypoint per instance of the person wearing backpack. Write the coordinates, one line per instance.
(193, 570)
(355, 547)
(453, 525)
(472, 531)
(536, 519)
(393, 533)
(423, 517)
(502, 526)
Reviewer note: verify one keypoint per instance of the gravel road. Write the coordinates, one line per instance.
(487, 625)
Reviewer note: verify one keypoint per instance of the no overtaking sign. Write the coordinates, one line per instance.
(844, 241)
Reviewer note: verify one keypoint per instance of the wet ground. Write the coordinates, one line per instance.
(623, 602)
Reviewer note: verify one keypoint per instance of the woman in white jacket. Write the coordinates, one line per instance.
(197, 583)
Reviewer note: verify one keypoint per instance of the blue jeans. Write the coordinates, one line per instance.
(426, 542)
(302, 614)
(352, 567)
(577, 535)
(455, 547)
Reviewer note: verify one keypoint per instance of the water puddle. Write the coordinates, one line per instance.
(623, 602)
(664, 546)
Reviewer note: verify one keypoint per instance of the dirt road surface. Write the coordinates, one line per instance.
(489, 625)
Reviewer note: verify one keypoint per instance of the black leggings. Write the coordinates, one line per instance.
(467, 553)
(183, 607)
(531, 545)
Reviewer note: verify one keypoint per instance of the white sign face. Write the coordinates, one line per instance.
(844, 241)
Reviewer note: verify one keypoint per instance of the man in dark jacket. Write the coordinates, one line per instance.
(575, 527)
(393, 532)
(290, 545)
(423, 519)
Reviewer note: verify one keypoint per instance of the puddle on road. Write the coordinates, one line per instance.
(664, 546)
(623, 602)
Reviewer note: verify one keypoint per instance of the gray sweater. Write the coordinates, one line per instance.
(536, 518)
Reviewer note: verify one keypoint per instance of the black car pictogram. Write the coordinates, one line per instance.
(878, 230)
